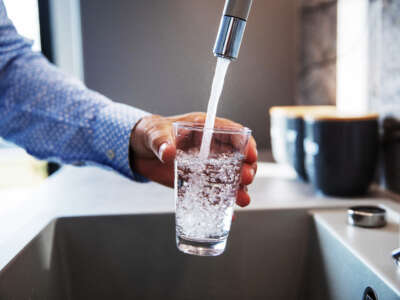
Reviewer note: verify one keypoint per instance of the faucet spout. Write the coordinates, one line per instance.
(231, 28)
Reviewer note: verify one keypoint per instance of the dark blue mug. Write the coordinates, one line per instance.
(341, 152)
(287, 134)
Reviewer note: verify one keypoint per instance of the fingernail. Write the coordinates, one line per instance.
(161, 151)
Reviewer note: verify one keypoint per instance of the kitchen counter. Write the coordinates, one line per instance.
(75, 191)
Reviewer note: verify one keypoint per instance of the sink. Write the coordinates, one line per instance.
(271, 254)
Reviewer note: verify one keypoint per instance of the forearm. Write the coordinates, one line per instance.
(54, 116)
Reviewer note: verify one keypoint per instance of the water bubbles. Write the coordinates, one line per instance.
(206, 193)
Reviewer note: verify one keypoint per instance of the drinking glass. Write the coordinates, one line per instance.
(206, 188)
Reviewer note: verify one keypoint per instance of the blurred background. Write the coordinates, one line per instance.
(157, 55)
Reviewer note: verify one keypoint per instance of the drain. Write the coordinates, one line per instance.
(369, 294)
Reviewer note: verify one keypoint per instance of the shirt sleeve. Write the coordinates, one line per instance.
(53, 115)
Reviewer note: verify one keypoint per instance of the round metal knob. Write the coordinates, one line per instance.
(366, 216)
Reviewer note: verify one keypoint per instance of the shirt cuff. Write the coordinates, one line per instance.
(112, 130)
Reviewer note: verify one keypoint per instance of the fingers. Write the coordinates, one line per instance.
(242, 198)
(156, 171)
(167, 152)
(200, 117)
(161, 142)
(195, 117)
(247, 174)
(251, 151)
(221, 123)
(159, 139)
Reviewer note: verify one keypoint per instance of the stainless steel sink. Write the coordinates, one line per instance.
(271, 254)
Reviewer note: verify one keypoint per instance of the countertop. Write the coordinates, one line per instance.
(75, 191)
(92, 191)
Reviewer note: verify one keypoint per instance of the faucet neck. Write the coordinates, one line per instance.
(237, 8)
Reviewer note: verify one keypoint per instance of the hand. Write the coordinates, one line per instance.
(154, 150)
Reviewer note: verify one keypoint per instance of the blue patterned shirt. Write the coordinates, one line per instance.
(54, 116)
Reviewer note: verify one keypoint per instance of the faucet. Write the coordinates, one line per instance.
(231, 28)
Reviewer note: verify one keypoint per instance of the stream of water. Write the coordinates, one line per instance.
(216, 90)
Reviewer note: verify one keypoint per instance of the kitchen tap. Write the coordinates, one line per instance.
(231, 28)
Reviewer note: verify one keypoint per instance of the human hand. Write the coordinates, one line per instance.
(153, 147)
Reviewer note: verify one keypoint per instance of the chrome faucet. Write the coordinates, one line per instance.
(231, 28)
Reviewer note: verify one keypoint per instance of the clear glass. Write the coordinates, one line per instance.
(206, 189)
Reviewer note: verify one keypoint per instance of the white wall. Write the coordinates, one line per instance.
(352, 56)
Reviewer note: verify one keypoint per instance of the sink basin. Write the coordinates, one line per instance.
(271, 254)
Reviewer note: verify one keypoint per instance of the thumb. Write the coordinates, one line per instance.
(162, 144)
